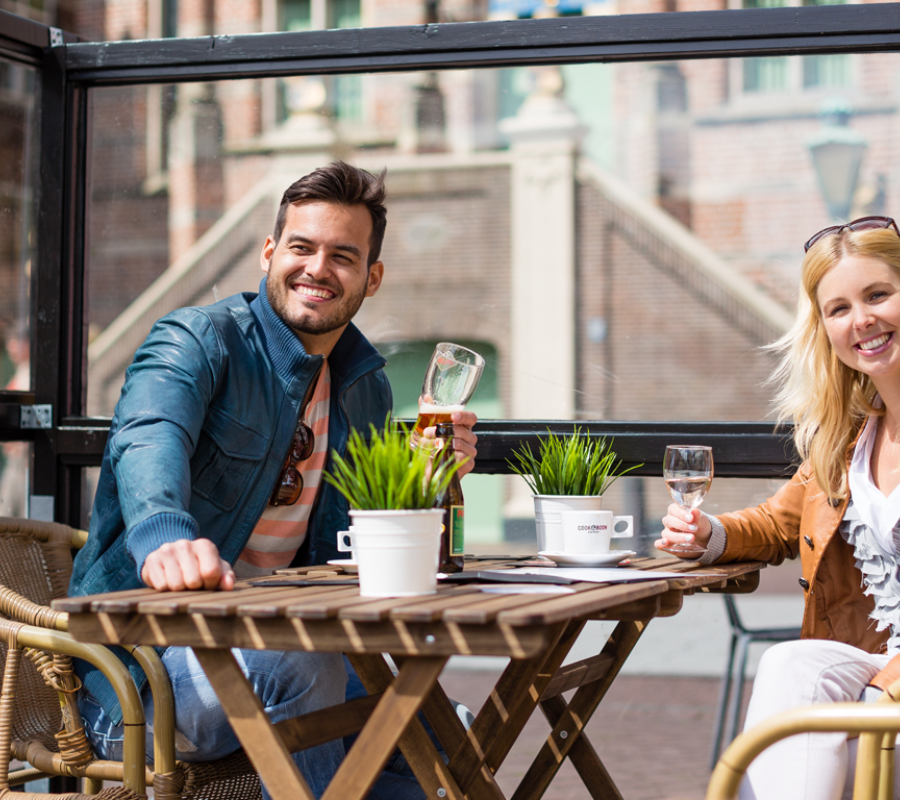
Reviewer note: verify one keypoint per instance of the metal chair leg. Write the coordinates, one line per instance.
(737, 688)
(721, 706)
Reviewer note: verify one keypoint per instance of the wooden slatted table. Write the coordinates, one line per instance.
(420, 634)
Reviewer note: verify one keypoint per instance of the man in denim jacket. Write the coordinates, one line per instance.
(198, 445)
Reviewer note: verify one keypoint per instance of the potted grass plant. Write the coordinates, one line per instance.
(570, 473)
(392, 489)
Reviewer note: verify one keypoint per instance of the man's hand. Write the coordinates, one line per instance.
(187, 564)
(464, 440)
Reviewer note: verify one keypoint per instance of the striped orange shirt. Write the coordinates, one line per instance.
(282, 529)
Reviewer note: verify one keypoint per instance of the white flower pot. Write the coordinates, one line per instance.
(547, 510)
(397, 551)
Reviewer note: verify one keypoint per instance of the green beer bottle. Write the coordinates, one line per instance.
(451, 501)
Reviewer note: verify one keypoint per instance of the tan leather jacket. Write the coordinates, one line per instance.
(800, 519)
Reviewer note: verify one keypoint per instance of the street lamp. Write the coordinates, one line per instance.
(837, 152)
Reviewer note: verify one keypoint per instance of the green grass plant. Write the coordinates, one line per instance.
(386, 473)
(569, 465)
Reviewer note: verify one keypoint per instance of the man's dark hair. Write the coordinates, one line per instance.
(344, 185)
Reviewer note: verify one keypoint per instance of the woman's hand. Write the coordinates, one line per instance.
(684, 526)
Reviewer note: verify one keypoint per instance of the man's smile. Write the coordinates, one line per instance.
(317, 292)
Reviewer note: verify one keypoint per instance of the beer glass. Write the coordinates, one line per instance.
(450, 381)
(688, 472)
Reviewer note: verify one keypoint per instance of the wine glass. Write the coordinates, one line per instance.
(688, 472)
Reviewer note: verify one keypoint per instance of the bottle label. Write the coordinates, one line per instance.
(457, 530)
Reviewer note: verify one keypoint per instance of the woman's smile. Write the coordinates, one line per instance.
(859, 300)
(876, 345)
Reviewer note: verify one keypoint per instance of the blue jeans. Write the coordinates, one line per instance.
(288, 684)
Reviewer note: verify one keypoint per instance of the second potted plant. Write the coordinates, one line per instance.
(570, 473)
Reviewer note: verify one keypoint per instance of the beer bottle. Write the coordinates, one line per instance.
(451, 501)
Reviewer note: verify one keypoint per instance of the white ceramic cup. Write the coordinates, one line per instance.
(590, 532)
(547, 509)
(397, 551)
(345, 543)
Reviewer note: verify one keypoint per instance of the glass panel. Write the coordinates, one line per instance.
(15, 469)
(19, 136)
(622, 240)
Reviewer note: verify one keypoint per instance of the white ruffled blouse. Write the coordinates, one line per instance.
(871, 525)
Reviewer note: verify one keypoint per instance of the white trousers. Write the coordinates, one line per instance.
(811, 766)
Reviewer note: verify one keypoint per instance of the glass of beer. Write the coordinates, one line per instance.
(450, 381)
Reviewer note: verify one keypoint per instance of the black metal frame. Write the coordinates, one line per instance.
(639, 37)
(72, 69)
(22, 40)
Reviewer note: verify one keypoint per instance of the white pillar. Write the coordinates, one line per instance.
(544, 137)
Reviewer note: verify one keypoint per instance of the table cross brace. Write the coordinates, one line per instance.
(569, 721)
(509, 707)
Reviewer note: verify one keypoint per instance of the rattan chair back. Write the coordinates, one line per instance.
(35, 563)
(35, 568)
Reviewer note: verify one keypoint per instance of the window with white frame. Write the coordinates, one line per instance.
(343, 92)
(782, 74)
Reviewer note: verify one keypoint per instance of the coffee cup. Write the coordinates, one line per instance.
(590, 532)
(345, 543)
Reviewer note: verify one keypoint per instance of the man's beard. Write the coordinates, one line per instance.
(301, 321)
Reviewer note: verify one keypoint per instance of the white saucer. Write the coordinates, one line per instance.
(588, 559)
(348, 564)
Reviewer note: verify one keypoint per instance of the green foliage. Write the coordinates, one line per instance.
(387, 473)
(570, 465)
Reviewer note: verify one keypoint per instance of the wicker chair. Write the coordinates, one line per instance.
(877, 724)
(39, 719)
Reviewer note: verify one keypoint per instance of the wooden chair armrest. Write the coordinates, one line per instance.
(836, 717)
(164, 760)
(18, 635)
(44, 531)
(79, 539)
(19, 608)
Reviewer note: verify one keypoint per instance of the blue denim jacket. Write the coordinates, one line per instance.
(199, 436)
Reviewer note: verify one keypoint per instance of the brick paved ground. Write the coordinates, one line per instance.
(653, 734)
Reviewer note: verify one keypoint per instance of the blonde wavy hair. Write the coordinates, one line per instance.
(827, 400)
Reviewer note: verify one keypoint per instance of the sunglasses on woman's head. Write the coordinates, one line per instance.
(861, 224)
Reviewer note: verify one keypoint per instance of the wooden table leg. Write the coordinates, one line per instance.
(393, 714)
(584, 758)
(415, 743)
(509, 707)
(451, 733)
(569, 722)
(252, 726)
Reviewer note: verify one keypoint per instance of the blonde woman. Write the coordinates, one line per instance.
(840, 384)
